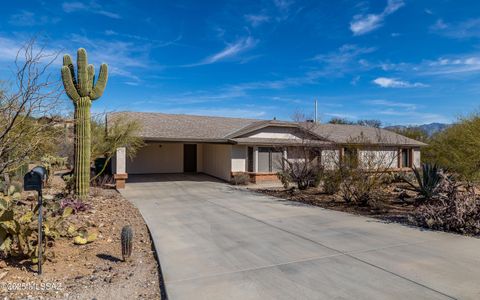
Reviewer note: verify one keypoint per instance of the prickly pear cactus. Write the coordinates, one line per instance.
(82, 90)
(127, 238)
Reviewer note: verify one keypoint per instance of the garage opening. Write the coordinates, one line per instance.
(189, 158)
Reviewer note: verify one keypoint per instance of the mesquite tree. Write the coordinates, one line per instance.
(82, 90)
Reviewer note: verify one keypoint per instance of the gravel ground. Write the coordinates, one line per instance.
(95, 270)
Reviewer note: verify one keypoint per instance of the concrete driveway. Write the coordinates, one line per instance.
(219, 242)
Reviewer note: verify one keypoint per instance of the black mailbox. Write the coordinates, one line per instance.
(34, 180)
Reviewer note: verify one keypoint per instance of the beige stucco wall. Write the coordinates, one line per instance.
(217, 160)
(157, 158)
(416, 158)
(330, 158)
(378, 158)
(239, 158)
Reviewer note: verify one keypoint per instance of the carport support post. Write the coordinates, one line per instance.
(255, 159)
(120, 168)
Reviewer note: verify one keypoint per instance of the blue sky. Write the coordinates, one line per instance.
(399, 61)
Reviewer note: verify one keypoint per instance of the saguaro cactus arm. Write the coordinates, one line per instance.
(99, 87)
(68, 83)
(67, 61)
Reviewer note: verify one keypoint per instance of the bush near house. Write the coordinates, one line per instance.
(240, 179)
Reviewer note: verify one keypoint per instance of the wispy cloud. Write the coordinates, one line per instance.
(413, 117)
(386, 103)
(283, 4)
(257, 20)
(344, 59)
(8, 49)
(385, 82)
(155, 43)
(362, 24)
(409, 112)
(464, 64)
(92, 7)
(231, 51)
(220, 112)
(28, 18)
(123, 58)
(462, 30)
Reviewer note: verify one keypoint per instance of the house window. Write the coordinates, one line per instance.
(405, 158)
(350, 157)
(250, 159)
(269, 159)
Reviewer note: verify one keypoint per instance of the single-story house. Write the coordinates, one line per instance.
(222, 147)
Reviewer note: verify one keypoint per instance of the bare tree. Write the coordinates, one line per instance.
(27, 104)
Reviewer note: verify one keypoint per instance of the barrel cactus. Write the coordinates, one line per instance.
(126, 239)
(82, 90)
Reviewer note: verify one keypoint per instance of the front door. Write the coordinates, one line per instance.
(189, 158)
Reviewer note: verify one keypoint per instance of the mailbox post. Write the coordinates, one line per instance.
(34, 181)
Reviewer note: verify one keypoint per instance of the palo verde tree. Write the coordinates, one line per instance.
(82, 90)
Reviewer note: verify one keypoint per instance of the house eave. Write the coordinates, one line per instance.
(184, 140)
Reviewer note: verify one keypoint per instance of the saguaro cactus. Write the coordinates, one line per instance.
(82, 90)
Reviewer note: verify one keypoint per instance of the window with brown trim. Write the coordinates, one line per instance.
(269, 159)
(405, 160)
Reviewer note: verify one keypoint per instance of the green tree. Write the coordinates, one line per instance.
(106, 140)
(413, 132)
(340, 121)
(457, 148)
(370, 123)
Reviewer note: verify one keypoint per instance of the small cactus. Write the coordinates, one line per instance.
(127, 237)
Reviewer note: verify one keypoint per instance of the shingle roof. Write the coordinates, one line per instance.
(179, 127)
(344, 134)
(182, 127)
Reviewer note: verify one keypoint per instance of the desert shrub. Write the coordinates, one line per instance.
(331, 182)
(427, 181)
(457, 148)
(284, 179)
(397, 177)
(240, 179)
(103, 181)
(359, 187)
(302, 172)
(455, 208)
(69, 180)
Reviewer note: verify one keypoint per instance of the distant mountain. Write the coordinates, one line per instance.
(430, 129)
